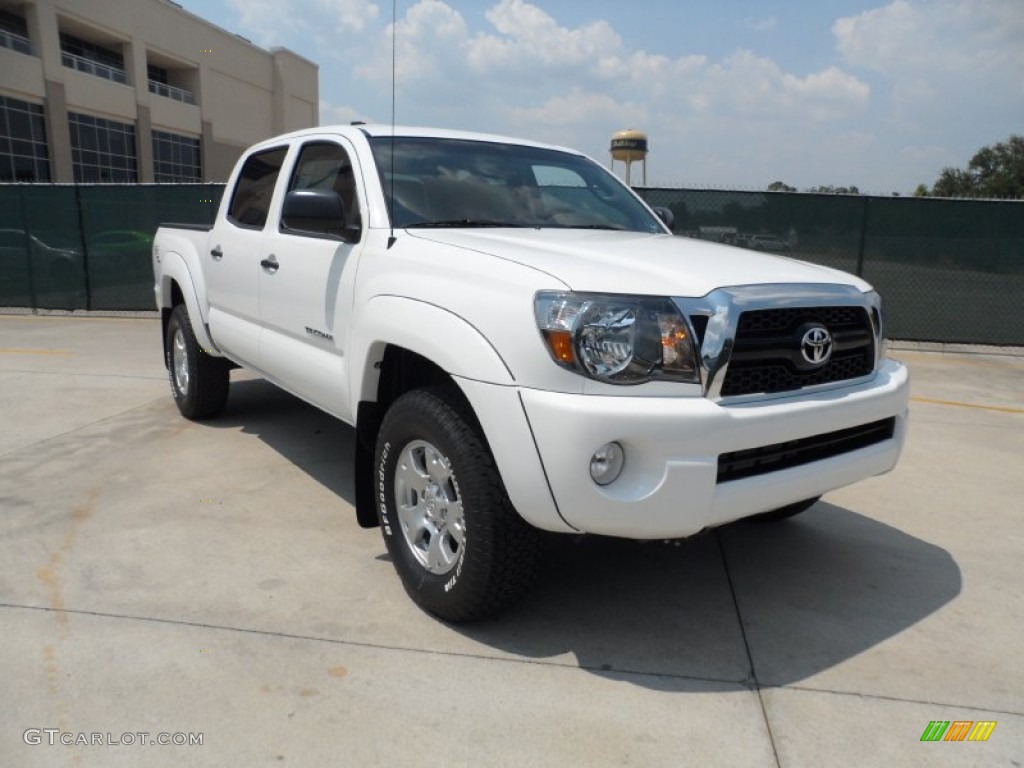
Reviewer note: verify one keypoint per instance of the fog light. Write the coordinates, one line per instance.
(606, 463)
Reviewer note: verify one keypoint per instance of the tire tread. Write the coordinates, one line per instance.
(507, 567)
(211, 376)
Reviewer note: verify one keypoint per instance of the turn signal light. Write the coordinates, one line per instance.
(560, 344)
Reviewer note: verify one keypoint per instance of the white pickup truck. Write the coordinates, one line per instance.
(522, 345)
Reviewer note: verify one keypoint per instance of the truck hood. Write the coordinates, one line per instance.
(636, 262)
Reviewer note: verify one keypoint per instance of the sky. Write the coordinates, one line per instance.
(732, 94)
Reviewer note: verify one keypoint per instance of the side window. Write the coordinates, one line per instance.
(551, 176)
(250, 202)
(327, 166)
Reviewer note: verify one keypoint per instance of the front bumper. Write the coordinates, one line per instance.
(669, 486)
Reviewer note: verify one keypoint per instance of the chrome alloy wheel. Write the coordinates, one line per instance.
(429, 507)
(179, 359)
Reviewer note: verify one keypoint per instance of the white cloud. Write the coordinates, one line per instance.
(579, 107)
(352, 15)
(551, 71)
(528, 37)
(271, 20)
(750, 85)
(428, 43)
(940, 36)
(761, 25)
(949, 67)
(912, 85)
(340, 114)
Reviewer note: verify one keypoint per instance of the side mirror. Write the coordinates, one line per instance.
(317, 212)
(665, 214)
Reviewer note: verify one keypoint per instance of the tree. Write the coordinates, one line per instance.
(954, 182)
(996, 171)
(780, 186)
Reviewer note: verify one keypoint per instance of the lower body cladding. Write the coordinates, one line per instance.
(689, 462)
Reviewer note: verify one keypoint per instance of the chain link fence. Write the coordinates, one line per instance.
(88, 247)
(948, 270)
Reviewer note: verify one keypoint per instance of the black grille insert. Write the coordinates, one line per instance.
(793, 453)
(766, 356)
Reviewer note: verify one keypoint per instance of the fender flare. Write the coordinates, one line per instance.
(453, 343)
(173, 267)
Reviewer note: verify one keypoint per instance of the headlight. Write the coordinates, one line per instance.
(617, 339)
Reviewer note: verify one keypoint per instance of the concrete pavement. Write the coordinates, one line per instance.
(161, 576)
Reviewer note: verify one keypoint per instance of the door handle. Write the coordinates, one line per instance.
(270, 264)
(217, 253)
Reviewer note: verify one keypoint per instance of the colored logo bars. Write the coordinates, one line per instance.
(958, 730)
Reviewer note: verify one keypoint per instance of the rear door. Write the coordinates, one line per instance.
(232, 261)
(306, 292)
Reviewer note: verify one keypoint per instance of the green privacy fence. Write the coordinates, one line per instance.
(88, 246)
(948, 270)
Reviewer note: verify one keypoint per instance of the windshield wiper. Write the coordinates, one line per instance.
(596, 226)
(455, 223)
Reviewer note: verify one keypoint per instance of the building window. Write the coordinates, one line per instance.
(160, 84)
(176, 158)
(14, 33)
(23, 151)
(84, 56)
(157, 74)
(102, 150)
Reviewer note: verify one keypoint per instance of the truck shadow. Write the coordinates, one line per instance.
(811, 592)
(315, 442)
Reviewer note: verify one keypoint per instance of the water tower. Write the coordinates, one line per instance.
(630, 146)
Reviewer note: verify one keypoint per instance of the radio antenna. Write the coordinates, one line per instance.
(391, 197)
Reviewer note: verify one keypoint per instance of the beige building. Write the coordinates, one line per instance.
(137, 91)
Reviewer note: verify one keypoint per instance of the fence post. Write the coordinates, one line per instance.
(28, 252)
(863, 238)
(85, 247)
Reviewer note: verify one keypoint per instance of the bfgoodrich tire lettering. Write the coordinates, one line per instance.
(460, 548)
(199, 382)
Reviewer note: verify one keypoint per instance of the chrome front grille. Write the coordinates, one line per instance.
(766, 352)
(762, 340)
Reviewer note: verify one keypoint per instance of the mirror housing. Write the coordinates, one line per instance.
(665, 214)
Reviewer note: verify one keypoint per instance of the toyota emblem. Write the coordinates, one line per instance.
(816, 345)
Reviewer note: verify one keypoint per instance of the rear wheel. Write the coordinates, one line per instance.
(199, 382)
(460, 548)
(782, 513)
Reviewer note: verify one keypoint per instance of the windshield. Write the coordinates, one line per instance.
(458, 183)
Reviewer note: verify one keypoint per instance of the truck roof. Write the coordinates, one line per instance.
(380, 129)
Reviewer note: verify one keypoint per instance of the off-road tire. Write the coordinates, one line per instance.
(500, 555)
(200, 390)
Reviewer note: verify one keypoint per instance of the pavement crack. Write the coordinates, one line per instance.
(594, 668)
(746, 645)
(84, 374)
(897, 699)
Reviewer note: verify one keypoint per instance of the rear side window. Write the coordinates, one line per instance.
(250, 202)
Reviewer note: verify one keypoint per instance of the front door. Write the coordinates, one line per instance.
(307, 281)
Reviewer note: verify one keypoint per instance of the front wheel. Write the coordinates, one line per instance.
(460, 548)
(199, 382)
